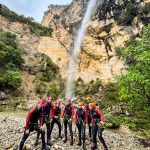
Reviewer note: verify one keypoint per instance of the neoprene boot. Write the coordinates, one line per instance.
(94, 146)
(46, 148)
(71, 143)
(84, 147)
(79, 143)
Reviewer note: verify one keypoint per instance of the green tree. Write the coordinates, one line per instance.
(127, 14)
(10, 62)
(134, 87)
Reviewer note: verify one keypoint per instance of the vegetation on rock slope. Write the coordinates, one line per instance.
(127, 102)
(10, 62)
(34, 27)
(48, 81)
(134, 87)
(124, 11)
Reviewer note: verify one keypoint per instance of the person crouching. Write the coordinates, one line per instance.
(33, 116)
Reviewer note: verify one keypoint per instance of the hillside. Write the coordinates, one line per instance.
(98, 58)
(37, 69)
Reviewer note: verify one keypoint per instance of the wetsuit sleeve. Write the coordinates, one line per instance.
(72, 111)
(63, 113)
(52, 111)
(29, 117)
(100, 114)
(44, 105)
(75, 119)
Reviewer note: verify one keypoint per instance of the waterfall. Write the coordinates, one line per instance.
(77, 48)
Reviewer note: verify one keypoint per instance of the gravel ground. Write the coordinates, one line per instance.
(12, 127)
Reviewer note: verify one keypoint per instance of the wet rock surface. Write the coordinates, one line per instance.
(12, 128)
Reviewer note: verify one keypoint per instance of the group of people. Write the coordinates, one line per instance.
(86, 115)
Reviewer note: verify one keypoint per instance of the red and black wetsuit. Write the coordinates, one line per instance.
(57, 112)
(48, 110)
(89, 119)
(81, 120)
(97, 116)
(33, 116)
(68, 114)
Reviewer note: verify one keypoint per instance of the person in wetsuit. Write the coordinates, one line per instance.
(88, 99)
(81, 120)
(34, 115)
(68, 115)
(56, 118)
(97, 123)
(47, 112)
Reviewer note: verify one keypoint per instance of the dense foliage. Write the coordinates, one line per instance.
(10, 61)
(124, 11)
(33, 26)
(127, 14)
(91, 88)
(134, 87)
(131, 10)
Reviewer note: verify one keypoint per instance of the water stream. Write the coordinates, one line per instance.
(72, 70)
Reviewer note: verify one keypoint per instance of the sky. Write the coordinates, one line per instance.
(32, 8)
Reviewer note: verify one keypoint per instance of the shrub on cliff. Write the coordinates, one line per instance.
(10, 61)
(127, 14)
(48, 81)
(34, 27)
(10, 80)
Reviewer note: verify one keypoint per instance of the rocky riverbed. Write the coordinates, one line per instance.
(12, 127)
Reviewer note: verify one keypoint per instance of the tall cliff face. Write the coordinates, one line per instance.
(98, 58)
(33, 59)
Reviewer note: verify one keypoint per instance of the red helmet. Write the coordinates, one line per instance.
(68, 100)
(40, 101)
(58, 102)
(50, 98)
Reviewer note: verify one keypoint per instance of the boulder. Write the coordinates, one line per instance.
(28, 147)
(9, 146)
(3, 96)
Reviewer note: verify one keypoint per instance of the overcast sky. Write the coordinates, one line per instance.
(33, 8)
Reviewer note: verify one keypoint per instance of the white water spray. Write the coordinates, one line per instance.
(77, 48)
